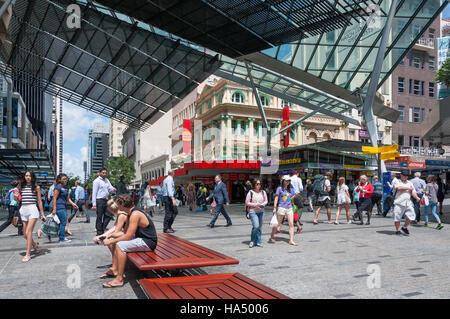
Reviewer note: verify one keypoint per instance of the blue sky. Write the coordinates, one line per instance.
(76, 123)
(446, 13)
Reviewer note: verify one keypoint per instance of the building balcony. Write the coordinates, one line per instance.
(425, 45)
(420, 151)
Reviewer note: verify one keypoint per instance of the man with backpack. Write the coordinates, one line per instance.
(13, 208)
(322, 188)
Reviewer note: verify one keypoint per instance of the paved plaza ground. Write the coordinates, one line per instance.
(331, 261)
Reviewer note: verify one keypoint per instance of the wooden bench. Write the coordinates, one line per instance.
(173, 252)
(222, 286)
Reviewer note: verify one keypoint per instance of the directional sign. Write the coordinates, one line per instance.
(378, 150)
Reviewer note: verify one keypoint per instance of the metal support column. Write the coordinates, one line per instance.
(9, 116)
(367, 109)
(260, 107)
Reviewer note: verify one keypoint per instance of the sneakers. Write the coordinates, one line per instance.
(368, 223)
(398, 232)
(251, 245)
(65, 240)
(426, 225)
(259, 244)
(405, 231)
(439, 227)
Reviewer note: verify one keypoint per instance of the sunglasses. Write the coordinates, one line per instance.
(258, 184)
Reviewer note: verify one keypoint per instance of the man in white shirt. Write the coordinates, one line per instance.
(170, 205)
(403, 204)
(101, 188)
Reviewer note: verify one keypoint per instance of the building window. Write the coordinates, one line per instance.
(431, 34)
(401, 109)
(416, 115)
(401, 140)
(401, 85)
(422, 88)
(265, 100)
(220, 97)
(410, 86)
(431, 89)
(285, 103)
(431, 63)
(416, 61)
(238, 97)
(416, 87)
(416, 141)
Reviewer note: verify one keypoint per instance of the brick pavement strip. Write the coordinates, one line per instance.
(332, 261)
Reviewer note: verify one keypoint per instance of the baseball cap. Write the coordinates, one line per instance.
(286, 178)
(404, 173)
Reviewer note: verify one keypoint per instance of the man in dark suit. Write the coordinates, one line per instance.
(220, 194)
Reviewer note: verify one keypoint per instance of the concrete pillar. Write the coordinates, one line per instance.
(251, 138)
(223, 131)
(229, 141)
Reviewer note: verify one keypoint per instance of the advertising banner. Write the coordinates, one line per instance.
(416, 164)
(443, 54)
(186, 136)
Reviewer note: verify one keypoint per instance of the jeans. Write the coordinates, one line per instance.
(376, 199)
(62, 215)
(220, 209)
(170, 213)
(417, 206)
(433, 207)
(257, 222)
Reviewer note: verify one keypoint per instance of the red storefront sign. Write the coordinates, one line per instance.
(285, 123)
(186, 136)
(416, 164)
(403, 159)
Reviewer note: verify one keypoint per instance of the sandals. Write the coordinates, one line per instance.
(109, 285)
(26, 259)
(293, 244)
(36, 249)
(107, 274)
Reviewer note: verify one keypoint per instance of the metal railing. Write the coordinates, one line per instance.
(423, 151)
(426, 42)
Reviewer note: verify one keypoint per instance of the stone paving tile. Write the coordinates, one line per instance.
(330, 260)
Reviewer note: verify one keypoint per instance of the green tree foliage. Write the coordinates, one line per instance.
(443, 75)
(118, 166)
(71, 180)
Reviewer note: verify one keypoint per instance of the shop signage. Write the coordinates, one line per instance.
(431, 172)
(403, 164)
(353, 166)
(403, 158)
(364, 134)
(416, 164)
(437, 163)
(335, 166)
(289, 161)
(186, 136)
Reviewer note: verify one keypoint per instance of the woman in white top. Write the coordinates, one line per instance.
(255, 202)
(431, 191)
(343, 199)
(29, 212)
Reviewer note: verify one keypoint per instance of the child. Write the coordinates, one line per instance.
(297, 214)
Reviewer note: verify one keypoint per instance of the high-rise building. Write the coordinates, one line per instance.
(58, 127)
(414, 93)
(98, 148)
(115, 138)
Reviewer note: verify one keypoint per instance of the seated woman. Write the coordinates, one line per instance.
(118, 230)
(140, 236)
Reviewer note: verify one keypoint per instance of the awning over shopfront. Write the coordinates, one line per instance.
(14, 163)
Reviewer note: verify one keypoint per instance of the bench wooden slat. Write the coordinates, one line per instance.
(173, 252)
(220, 286)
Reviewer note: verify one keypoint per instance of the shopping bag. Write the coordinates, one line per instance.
(425, 201)
(50, 227)
(274, 221)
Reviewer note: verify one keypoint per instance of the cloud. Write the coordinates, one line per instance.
(73, 165)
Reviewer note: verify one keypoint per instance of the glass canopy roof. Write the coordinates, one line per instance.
(135, 60)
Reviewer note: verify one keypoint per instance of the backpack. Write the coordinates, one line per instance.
(319, 186)
(246, 210)
(72, 194)
(7, 198)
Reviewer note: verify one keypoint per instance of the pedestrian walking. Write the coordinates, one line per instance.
(220, 195)
(419, 186)
(282, 207)
(356, 200)
(191, 196)
(80, 201)
(440, 194)
(121, 188)
(88, 201)
(377, 195)
(343, 200)
(159, 194)
(29, 213)
(431, 191)
(322, 188)
(12, 204)
(403, 205)
(100, 191)
(389, 201)
(255, 202)
(170, 206)
(297, 184)
(309, 194)
(61, 198)
(365, 190)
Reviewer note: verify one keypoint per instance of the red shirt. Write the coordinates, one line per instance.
(367, 191)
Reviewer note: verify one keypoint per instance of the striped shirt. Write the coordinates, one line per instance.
(28, 196)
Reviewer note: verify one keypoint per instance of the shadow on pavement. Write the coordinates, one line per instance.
(386, 232)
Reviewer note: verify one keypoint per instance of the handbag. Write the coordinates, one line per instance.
(425, 201)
